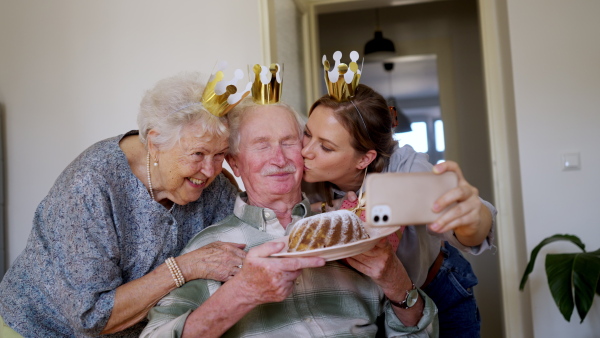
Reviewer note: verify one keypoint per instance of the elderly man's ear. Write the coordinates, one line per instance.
(233, 164)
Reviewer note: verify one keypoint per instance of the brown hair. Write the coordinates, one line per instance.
(377, 119)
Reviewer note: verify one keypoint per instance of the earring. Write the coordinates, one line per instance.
(156, 162)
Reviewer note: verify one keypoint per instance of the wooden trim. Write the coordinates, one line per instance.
(510, 230)
(312, 61)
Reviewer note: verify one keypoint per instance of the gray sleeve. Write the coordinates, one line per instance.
(487, 244)
(406, 159)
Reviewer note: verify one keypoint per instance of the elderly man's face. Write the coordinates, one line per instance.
(269, 159)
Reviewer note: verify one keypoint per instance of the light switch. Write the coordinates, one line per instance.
(571, 161)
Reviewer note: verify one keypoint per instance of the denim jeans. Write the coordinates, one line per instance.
(452, 292)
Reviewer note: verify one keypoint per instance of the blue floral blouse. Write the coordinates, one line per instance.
(97, 229)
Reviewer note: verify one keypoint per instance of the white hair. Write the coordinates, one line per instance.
(172, 104)
(235, 119)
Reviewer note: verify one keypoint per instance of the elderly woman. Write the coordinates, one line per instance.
(98, 257)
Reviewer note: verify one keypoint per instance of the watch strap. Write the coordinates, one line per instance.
(404, 304)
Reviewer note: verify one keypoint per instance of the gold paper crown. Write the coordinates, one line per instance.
(266, 83)
(219, 96)
(342, 80)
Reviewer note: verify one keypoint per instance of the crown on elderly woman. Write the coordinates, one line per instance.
(220, 96)
(343, 79)
(266, 83)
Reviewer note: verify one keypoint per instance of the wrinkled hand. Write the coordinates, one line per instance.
(218, 261)
(384, 267)
(464, 217)
(265, 279)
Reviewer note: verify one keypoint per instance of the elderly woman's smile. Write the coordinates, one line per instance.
(196, 182)
(184, 170)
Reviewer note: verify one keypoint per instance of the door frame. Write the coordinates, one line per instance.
(499, 91)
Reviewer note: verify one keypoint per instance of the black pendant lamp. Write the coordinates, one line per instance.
(380, 48)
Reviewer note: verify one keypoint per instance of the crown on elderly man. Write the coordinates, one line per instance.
(343, 79)
(220, 96)
(266, 83)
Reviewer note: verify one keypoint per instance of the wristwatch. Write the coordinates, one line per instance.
(412, 296)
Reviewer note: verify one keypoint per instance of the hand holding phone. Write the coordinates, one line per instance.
(406, 198)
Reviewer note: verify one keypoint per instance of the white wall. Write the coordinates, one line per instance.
(556, 69)
(73, 73)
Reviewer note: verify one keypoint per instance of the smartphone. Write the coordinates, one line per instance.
(405, 198)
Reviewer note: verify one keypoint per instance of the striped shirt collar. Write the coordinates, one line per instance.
(265, 219)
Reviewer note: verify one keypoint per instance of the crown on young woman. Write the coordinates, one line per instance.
(266, 83)
(220, 96)
(343, 79)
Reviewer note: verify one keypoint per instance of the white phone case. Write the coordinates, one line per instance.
(405, 198)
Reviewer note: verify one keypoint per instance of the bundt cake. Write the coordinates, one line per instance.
(326, 230)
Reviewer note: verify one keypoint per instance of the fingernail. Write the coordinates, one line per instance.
(434, 226)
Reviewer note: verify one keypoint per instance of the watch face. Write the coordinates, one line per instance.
(412, 297)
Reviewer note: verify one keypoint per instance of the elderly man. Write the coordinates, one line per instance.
(275, 297)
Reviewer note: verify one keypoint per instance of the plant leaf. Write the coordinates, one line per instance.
(597, 254)
(558, 270)
(572, 238)
(586, 273)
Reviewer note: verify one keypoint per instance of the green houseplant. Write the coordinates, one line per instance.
(573, 278)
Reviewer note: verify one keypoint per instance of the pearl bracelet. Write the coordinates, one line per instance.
(175, 271)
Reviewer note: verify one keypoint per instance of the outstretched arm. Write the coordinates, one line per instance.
(469, 218)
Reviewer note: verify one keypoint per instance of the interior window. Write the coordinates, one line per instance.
(417, 138)
(427, 136)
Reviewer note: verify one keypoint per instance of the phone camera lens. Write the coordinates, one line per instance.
(385, 218)
(376, 219)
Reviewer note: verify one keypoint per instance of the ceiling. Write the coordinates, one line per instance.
(334, 7)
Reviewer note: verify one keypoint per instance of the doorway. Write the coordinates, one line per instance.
(410, 84)
(448, 31)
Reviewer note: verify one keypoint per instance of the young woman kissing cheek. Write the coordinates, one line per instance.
(328, 153)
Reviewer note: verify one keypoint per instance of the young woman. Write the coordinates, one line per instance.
(342, 140)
